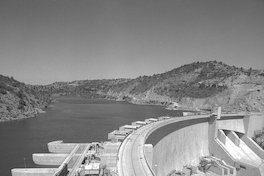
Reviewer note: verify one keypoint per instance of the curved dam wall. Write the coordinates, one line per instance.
(179, 144)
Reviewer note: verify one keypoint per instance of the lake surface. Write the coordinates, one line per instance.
(70, 120)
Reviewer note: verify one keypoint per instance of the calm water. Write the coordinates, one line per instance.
(70, 120)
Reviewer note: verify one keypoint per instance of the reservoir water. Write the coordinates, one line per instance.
(70, 120)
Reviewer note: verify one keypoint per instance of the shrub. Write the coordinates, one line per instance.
(20, 107)
(258, 138)
(19, 94)
(205, 164)
(9, 108)
(3, 91)
(5, 87)
(21, 104)
(16, 84)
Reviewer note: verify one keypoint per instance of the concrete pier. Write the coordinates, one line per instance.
(60, 147)
(49, 159)
(34, 172)
(128, 127)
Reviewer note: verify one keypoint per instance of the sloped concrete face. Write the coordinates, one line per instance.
(242, 153)
(185, 146)
(221, 136)
(235, 147)
(234, 138)
(253, 146)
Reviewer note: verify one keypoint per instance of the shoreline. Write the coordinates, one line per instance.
(21, 116)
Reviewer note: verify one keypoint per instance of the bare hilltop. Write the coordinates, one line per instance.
(195, 86)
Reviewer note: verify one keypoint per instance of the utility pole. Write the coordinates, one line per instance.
(25, 163)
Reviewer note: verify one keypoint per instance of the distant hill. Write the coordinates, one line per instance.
(18, 100)
(199, 85)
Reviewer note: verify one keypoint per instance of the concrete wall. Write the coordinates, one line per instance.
(234, 138)
(219, 152)
(221, 136)
(247, 170)
(232, 124)
(254, 122)
(179, 144)
(49, 159)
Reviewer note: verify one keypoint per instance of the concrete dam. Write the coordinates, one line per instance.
(215, 144)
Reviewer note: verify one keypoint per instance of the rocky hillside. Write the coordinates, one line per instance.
(199, 85)
(18, 100)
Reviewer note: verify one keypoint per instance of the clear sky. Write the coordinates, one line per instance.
(43, 41)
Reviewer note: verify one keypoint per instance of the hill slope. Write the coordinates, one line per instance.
(196, 85)
(200, 85)
(18, 100)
